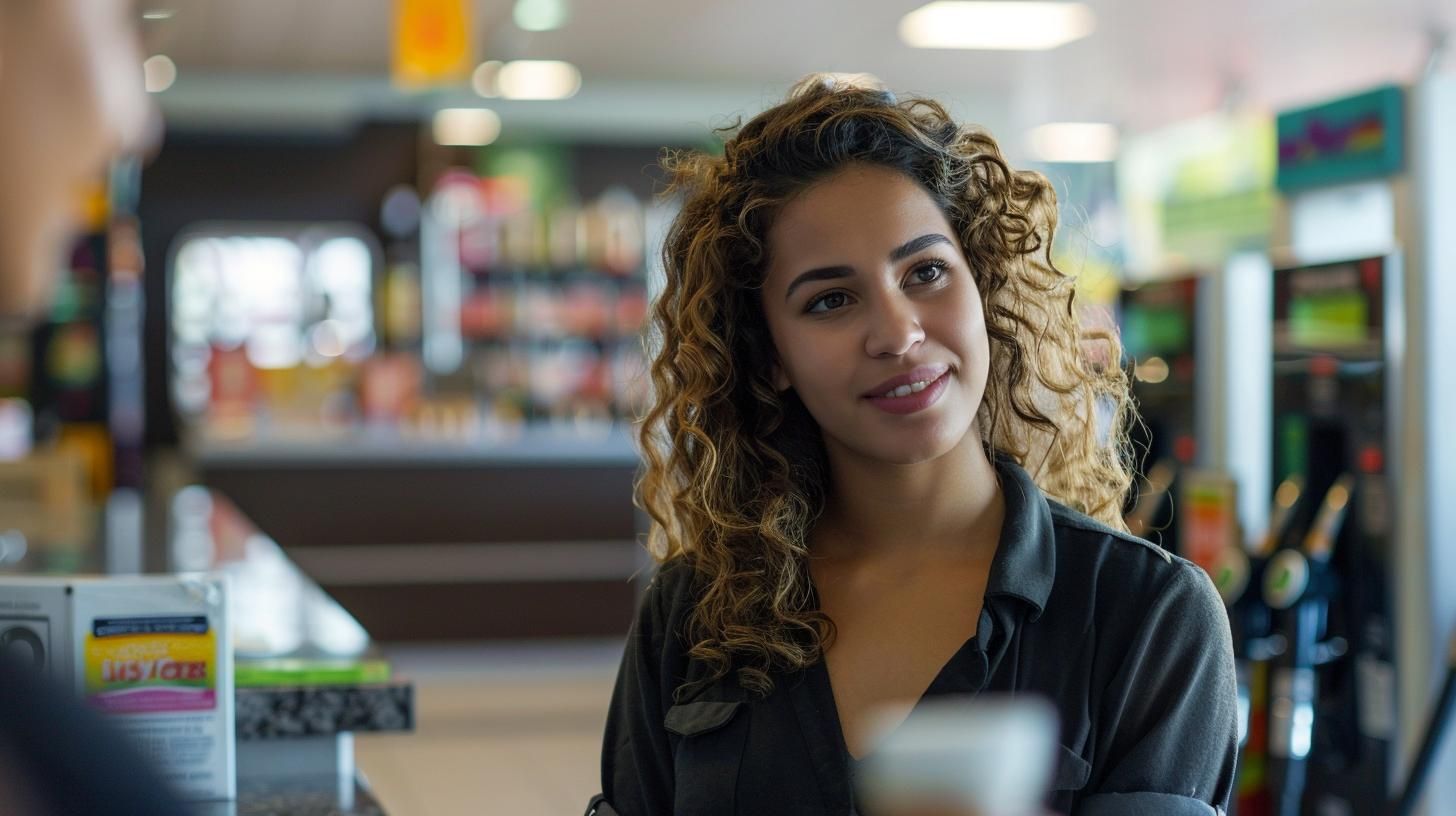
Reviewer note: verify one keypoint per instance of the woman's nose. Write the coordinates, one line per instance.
(894, 328)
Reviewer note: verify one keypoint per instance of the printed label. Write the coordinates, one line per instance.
(151, 664)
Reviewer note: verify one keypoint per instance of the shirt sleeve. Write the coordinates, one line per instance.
(637, 772)
(1168, 738)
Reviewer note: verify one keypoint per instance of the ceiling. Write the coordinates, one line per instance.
(663, 69)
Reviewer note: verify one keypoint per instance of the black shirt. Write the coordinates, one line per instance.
(1129, 643)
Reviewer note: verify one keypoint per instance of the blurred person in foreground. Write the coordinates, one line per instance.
(71, 99)
(885, 463)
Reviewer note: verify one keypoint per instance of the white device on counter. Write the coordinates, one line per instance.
(152, 652)
(993, 756)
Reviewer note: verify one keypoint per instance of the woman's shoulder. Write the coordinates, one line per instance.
(669, 598)
(1130, 585)
(666, 613)
(1080, 528)
(674, 581)
(1086, 546)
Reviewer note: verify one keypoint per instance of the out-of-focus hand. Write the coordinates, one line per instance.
(928, 809)
(936, 810)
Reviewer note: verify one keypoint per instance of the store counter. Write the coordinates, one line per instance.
(307, 675)
(526, 535)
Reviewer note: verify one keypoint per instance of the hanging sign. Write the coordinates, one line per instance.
(1357, 137)
(432, 43)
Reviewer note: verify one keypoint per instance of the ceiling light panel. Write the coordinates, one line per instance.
(997, 26)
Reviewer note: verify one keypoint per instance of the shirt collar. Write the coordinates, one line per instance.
(1025, 564)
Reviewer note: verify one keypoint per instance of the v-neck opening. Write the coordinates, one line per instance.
(819, 672)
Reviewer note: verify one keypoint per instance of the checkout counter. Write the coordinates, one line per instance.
(526, 535)
(307, 675)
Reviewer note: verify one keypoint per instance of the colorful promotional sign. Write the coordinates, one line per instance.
(1210, 520)
(1195, 193)
(151, 664)
(154, 653)
(1358, 137)
(1330, 307)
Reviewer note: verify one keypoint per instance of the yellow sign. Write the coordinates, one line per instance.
(151, 664)
(432, 42)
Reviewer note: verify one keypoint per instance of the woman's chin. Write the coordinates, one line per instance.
(908, 452)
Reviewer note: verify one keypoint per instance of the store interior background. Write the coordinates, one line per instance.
(414, 364)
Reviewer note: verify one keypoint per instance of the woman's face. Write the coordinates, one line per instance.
(876, 317)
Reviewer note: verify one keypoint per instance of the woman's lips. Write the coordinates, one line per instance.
(915, 401)
(918, 374)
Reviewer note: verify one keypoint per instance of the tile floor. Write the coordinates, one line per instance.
(500, 729)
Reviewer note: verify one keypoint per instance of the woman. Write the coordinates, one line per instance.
(883, 464)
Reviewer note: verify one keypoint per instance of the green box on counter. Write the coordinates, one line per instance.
(294, 672)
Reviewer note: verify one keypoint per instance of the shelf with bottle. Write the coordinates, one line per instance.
(545, 305)
(582, 308)
(541, 312)
(506, 385)
(498, 231)
(559, 379)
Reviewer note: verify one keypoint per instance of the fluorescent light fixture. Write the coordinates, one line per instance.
(486, 79)
(469, 127)
(997, 26)
(160, 72)
(1074, 142)
(159, 14)
(541, 15)
(538, 79)
(855, 80)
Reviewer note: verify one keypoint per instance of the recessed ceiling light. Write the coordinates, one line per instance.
(159, 14)
(1074, 142)
(540, 15)
(469, 127)
(538, 79)
(999, 26)
(160, 73)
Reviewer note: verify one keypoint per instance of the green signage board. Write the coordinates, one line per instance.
(1350, 139)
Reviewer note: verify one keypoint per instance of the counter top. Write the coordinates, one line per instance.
(553, 445)
(277, 610)
(296, 796)
(282, 621)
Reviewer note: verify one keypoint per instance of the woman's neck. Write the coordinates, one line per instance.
(948, 507)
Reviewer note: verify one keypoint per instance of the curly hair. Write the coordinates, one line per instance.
(734, 471)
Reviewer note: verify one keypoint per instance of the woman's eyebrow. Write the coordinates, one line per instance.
(822, 273)
(914, 245)
(897, 254)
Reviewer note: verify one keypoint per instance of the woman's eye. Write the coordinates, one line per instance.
(929, 273)
(827, 302)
